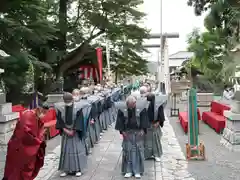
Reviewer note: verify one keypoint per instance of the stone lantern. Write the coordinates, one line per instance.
(231, 133)
(8, 119)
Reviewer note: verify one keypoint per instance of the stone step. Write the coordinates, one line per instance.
(8, 126)
(8, 117)
(53, 98)
(5, 137)
(5, 108)
(3, 151)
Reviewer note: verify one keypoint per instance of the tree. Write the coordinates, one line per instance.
(22, 24)
(200, 5)
(207, 48)
(55, 36)
(94, 21)
(222, 24)
(116, 20)
(223, 18)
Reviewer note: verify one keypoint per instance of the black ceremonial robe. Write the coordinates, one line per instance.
(152, 142)
(73, 153)
(132, 123)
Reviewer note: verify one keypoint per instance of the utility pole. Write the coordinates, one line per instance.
(108, 58)
(162, 59)
(160, 69)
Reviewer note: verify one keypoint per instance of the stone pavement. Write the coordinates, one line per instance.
(105, 162)
(220, 163)
(51, 151)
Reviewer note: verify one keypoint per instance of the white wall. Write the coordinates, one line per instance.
(176, 62)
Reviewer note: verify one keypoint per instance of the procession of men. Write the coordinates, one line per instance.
(82, 118)
(139, 120)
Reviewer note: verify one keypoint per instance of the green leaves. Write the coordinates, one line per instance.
(201, 5)
(212, 49)
(56, 36)
(207, 48)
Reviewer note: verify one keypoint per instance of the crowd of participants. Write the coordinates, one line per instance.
(82, 118)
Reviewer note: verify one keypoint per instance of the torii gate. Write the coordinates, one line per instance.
(163, 63)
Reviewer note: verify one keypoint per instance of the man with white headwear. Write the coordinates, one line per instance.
(148, 86)
(143, 91)
(76, 95)
(152, 142)
(82, 92)
(132, 122)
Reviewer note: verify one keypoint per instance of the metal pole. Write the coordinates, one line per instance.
(161, 47)
(108, 58)
(158, 67)
(166, 68)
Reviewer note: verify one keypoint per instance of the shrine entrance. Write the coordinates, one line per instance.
(163, 75)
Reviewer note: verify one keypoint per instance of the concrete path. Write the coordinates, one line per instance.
(105, 162)
(220, 163)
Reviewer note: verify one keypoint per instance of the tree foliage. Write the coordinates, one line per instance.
(207, 47)
(56, 36)
(222, 18)
(213, 48)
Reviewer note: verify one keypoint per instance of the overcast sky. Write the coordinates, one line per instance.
(177, 17)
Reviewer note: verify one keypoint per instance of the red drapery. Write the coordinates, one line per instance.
(99, 57)
(88, 71)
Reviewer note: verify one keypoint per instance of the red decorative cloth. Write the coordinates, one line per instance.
(219, 108)
(215, 118)
(49, 116)
(18, 108)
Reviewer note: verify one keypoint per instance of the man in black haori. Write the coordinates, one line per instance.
(91, 127)
(132, 122)
(109, 104)
(86, 119)
(152, 142)
(101, 117)
(90, 134)
(69, 121)
(94, 127)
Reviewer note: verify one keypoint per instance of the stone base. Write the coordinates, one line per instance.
(8, 126)
(8, 117)
(3, 149)
(54, 98)
(5, 108)
(5, 137)
(229, 146)
(235, 106)
(231, 133)
(231, 136)
(232, 121)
